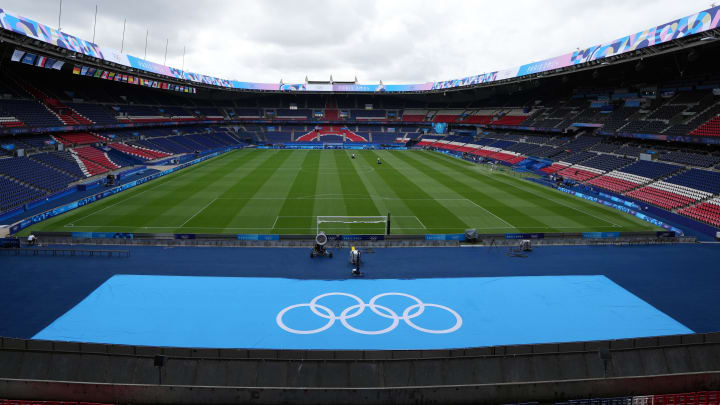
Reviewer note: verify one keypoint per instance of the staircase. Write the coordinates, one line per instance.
(331, 111)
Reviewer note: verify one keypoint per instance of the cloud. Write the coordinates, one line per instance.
(400, 41)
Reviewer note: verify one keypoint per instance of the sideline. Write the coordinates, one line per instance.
(24, 223)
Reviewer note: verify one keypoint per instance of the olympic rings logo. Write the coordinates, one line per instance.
(355, 310)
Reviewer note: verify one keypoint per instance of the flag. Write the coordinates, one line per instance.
(104, 74)
(58, 65)
(83, 70)
(41, 60)
(50, 63)
(164, 86)
(76, 70)
(90, 72)
(17, 55)
(155, 85)
(28, 59)
(111, 76)
(98, 73)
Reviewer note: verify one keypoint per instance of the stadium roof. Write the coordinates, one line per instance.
(681, 33)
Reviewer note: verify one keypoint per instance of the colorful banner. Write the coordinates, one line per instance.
(682, 27)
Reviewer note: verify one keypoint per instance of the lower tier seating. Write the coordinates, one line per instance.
(708, 211)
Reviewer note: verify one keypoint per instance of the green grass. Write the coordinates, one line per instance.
(283, 191)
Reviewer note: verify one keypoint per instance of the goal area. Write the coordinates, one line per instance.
(375, 225)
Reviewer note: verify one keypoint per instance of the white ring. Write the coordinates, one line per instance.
(377, 309)
(280, 322)
(458, 320)
(395, 318)
(314, 303)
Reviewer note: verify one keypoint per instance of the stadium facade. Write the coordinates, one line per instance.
(632, 125)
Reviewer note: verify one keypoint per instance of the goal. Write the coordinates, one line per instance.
(375, 225)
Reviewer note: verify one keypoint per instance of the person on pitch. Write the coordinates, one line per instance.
(353, 156)
(379, 161)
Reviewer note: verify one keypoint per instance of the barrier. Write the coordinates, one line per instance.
(257, 237)
(602, 235)
(40, 251)
(624, 209)
(524, 235)
(449, 236)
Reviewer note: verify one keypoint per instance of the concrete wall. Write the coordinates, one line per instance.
(530, 372)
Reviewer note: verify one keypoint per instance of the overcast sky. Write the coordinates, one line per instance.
(403, 41)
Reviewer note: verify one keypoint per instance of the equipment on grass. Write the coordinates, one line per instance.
(385, 220)
(471, 235)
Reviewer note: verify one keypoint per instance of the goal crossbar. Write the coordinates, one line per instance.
(380, 219)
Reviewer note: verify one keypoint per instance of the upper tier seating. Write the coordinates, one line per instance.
(447, 115)
(414, 115)
(288, 114)
(370, 115)
(95, 112)
(30, 112)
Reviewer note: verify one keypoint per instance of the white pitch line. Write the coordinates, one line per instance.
(275, 223)
(555, 201)
(199, 211)
(489, 212)
(418, 219)
(118, 202)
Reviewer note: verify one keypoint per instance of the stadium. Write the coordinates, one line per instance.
(546, 233)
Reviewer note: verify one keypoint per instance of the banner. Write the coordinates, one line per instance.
(682, 27)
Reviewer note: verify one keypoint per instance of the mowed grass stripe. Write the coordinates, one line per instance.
(589, 215)
(173, 206)
(118, 211)
(520, 210)
(261, 210)
(358, 202)
(575, 204)
(529, 211)
(385, 198)
(474, 207)
(330, 200)
(295, 214)
(422, 205)
(226, 207)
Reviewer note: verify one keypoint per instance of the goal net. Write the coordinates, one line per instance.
(372, 225)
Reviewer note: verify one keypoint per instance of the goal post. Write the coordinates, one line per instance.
(380, 220)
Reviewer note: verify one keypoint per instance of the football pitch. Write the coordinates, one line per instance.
(254, 191)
